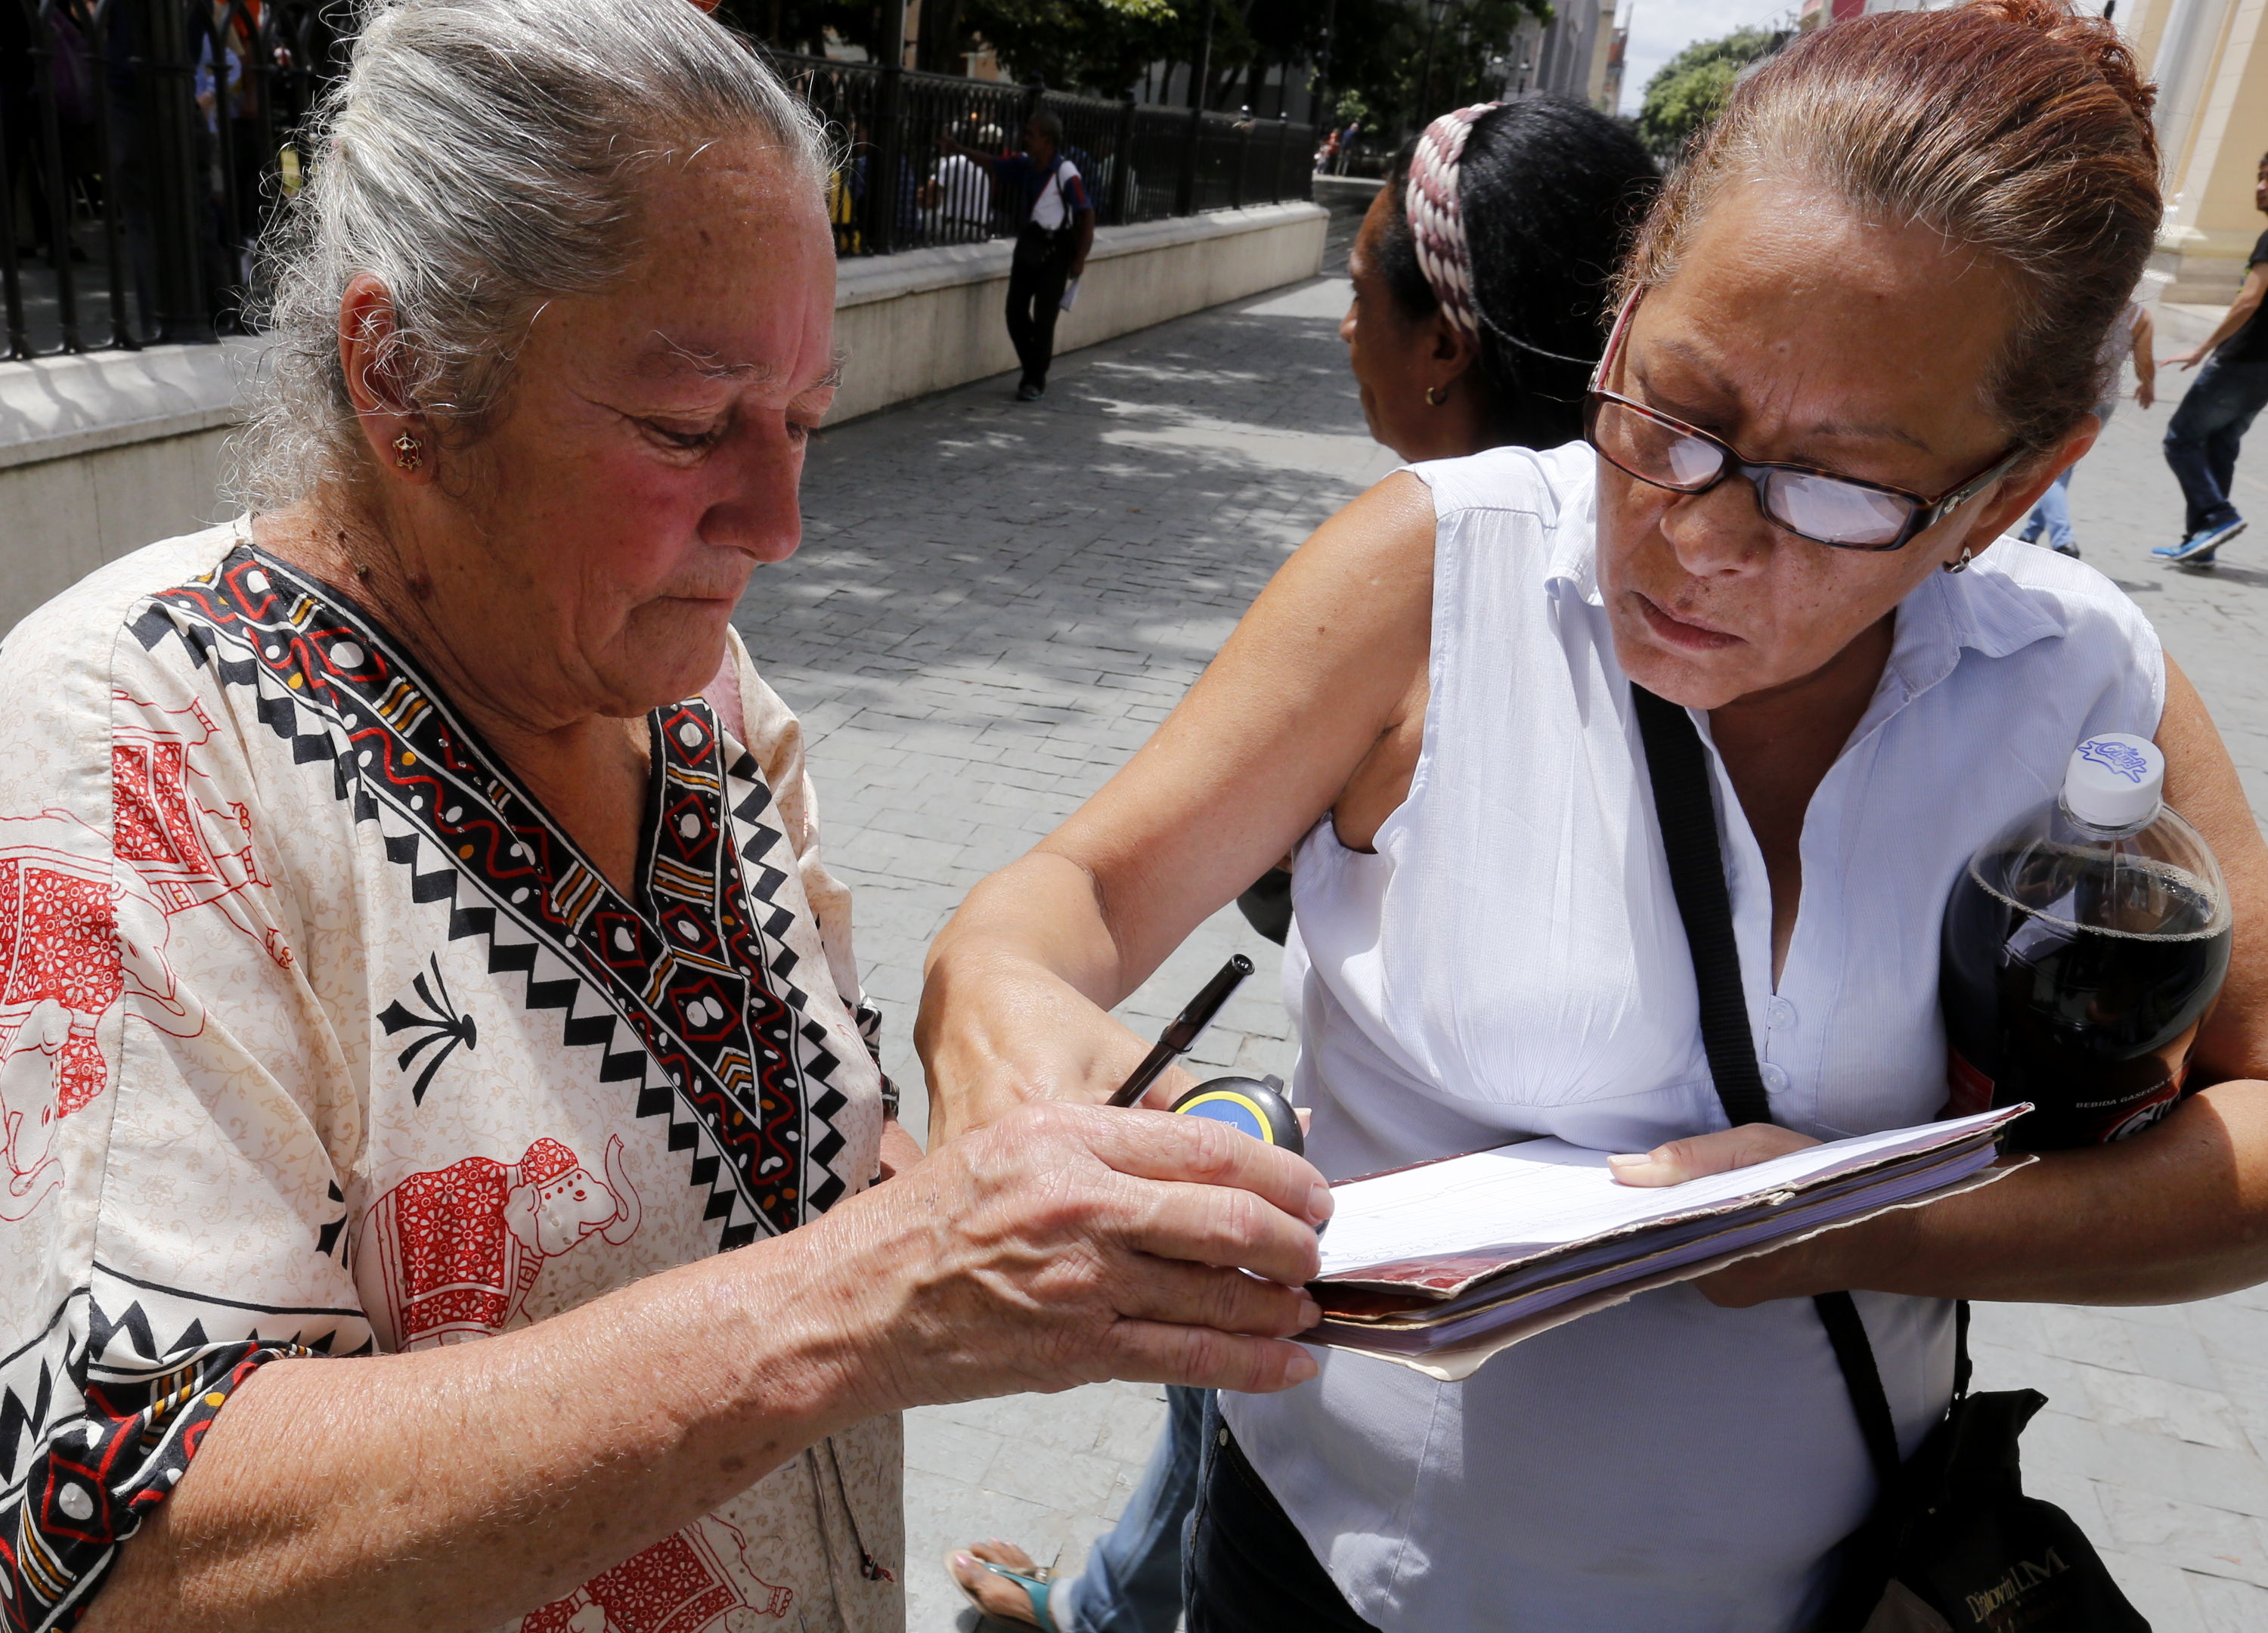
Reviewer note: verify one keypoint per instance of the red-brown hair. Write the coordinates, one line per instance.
(2016, 128)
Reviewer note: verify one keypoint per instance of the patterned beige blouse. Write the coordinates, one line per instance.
(317, 1036)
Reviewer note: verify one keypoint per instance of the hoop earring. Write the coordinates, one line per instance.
(409, 452)
(1436, 402)
(1960, 563)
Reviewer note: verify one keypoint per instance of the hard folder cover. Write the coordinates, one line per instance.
(1442, 1264)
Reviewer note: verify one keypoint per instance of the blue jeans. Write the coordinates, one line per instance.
(1133, 1582)
(2053, 512)
(2206, 431)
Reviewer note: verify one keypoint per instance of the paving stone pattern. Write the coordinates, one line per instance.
(995, 605)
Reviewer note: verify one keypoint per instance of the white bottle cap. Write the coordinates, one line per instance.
(2114, 780)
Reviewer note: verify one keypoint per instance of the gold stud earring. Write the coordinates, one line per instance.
(1435, 395)
(409, 452)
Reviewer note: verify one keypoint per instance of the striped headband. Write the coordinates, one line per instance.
(1437, 228)
(1437, 221)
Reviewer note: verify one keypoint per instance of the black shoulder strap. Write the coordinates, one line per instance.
(1685, 805)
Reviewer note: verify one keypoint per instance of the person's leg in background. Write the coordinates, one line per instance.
(1047, 305)
(2202, 440)
(1024, 278)
(1132, 1582)
(2053, 514)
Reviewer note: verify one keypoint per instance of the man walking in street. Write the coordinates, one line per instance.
(2209, 426)
(1043, 189)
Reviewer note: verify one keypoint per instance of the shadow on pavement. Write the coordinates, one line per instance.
(1121, 525)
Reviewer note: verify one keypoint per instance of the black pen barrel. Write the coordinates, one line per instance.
(1185, 1029)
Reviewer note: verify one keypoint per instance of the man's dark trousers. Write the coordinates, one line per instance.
(1035, 287)
(2207, 429)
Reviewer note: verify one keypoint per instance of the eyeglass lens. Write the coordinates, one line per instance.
(1822, 507)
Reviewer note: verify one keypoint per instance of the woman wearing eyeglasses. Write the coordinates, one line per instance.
(1855, 344)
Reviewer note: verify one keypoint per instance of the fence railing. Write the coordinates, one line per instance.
(144, 145)
(1139, 163)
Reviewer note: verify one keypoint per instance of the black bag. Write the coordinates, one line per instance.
(1952, 1543)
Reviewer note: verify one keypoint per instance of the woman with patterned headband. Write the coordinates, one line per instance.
(1858, 340)
(1480, 280)
(440, 1127)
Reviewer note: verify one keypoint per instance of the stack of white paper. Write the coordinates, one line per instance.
(1443, 1265)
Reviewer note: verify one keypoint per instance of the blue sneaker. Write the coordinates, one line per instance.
(2198, 549)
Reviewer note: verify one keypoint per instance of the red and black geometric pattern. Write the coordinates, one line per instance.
(89, 1447)
(696, 968)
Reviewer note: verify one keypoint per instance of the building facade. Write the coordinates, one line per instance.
(2209, 59)
(1572, 54)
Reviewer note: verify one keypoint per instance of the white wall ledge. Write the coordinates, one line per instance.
(52, 408)
(59, 408)
(863, 279)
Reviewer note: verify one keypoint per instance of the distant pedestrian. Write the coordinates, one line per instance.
(2209, 427)
(1346, 143)
(1056, 230)
(2129, 340)
(957, 204)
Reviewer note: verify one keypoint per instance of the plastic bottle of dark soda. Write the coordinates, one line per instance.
(2082, 948)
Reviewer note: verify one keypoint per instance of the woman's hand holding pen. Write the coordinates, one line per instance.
(1059, 1245)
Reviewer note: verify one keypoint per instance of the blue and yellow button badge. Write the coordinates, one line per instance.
(1255, 1106)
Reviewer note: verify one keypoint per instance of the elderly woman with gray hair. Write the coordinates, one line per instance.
(416, 933)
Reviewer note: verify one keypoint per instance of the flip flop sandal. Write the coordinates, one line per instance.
(1035, 1584)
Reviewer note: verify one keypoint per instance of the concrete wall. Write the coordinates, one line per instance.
(101, 454)
(919, 323)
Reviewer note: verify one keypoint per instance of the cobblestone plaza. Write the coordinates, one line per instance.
(996, 603)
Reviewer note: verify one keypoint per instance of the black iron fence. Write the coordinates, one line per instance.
(914, 175)
(146, 144)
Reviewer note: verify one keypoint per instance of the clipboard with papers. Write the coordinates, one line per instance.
(1444, 1264)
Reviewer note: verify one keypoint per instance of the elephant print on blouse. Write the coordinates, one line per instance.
(459, 1247)
(697, 1581)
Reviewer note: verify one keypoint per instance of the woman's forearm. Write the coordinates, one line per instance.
(458, 1487)
(1015, 994)
(2178, 1213)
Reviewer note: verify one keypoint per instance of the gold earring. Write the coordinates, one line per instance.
(1960, 563)
(1433, 399)
(409, 452)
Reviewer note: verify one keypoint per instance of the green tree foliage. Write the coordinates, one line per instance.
(1392, 63)
(1691, 87)
(1395, 64)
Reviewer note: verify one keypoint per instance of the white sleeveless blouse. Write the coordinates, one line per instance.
(1510, 962)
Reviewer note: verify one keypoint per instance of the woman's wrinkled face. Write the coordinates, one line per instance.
(1797, 332)
(649, 450)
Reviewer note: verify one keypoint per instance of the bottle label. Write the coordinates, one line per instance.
(2060, 1124)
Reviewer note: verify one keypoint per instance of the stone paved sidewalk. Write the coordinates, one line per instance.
(996, 604)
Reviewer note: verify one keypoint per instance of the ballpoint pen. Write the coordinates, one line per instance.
(1254, 1105)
